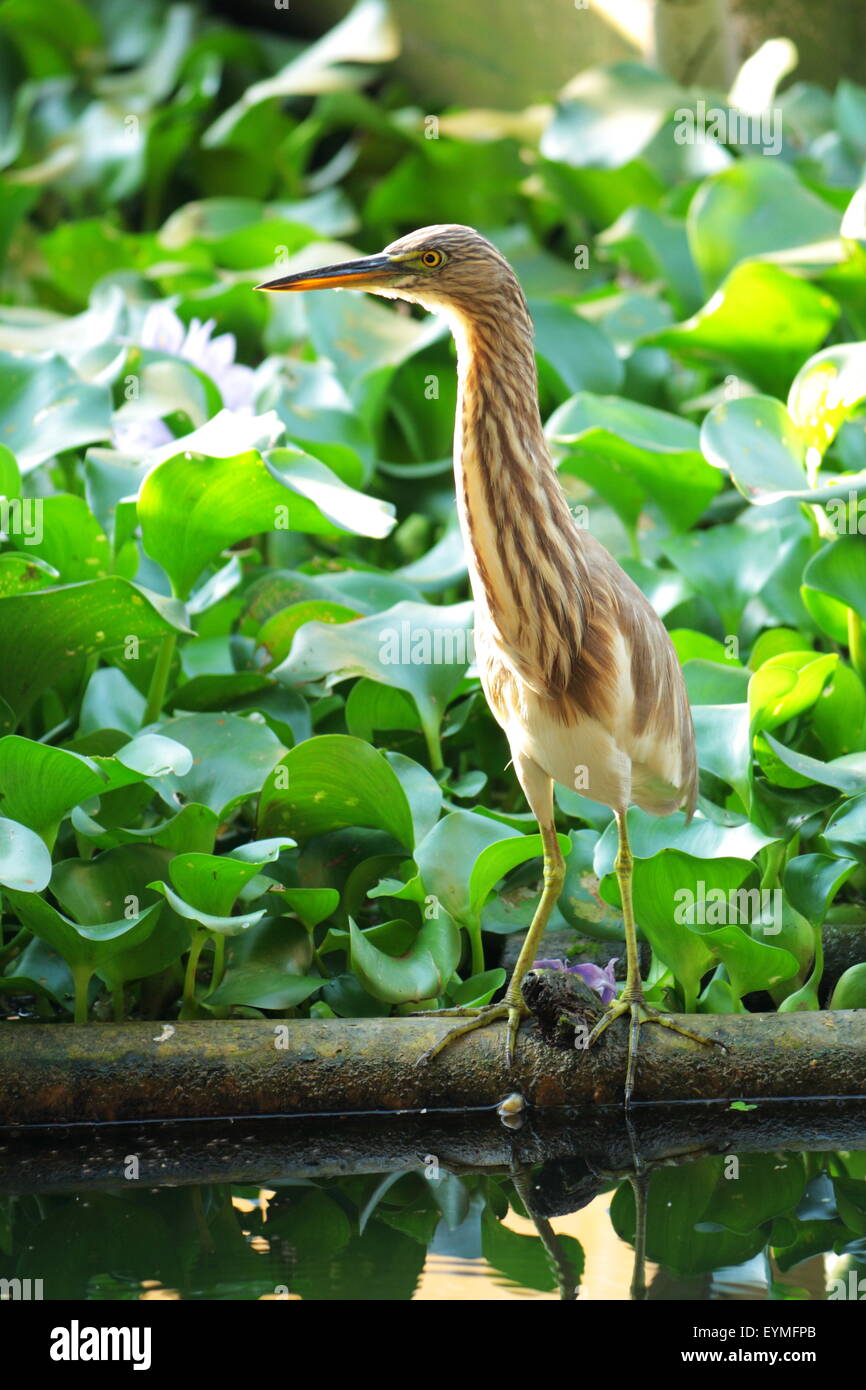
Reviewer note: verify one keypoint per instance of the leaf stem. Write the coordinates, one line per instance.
(857, 643)
(195, 950)
(159, 680)
(81, 977)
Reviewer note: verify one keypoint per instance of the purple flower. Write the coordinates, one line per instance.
(602, 981)
(163, 331)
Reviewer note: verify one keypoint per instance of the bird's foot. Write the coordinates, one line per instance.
(640, 1013)
(514, 1010)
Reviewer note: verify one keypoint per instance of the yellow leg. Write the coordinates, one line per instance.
(631, 1001)
(513, 1007)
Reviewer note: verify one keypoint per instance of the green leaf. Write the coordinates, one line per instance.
(25, 862)
(850, 990)
(756, 207)
(263, 988)
(421, 973)
(632, 454)
(333, 781)
(755, 440)
(231, 758)
(49, 635)
(40, 784)
(82, 946)
(839, 569)
(45, 408)
(192, 507)
(812, 882)
(845, 831)
(221, 925)
(728, 564)
(826, 390)
(761, 321)
(418, 648)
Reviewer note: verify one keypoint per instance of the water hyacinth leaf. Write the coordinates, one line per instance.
(709, 683)
(83, 946)
(580, 355)
(825, 390)
(839, 569)
(751, 965)
(676, 1205)
(723, 737)
(479, 989)
(310, 905)
(421, 973)
(762, 321)
(755, 440)
(418, 648)
(41, 784)
(448, 854)
(812, 882)
(366, 35)
(262, 988)
(498, 859)
(839, 715)
(111, 701)
(275, 637)
(220, 925)
(48, 635)
(108, 887)
(21, 573)
(580, 902)
(423, 792)
(231, 757)
(192, 507)
(729, 564)
(845, 831)
(847, 774)
(46, 408)
(25, 861)
(194, 829)
(810, 672)
(70, 540)
(669, 891)
(331, 782)
(850, 988)
(757, 206)
(631, 453)
(372, 706)
(212, 882)
(700, 839)
(609, 115)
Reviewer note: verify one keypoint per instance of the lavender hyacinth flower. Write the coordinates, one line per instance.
(163, 331)
(602, 981)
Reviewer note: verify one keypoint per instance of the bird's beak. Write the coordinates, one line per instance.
(369, 270)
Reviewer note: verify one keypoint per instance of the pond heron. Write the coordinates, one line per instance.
(574, 661)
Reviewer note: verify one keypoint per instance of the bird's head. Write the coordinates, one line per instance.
(444, 268)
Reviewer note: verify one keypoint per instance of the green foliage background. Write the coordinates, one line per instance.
(216, 794)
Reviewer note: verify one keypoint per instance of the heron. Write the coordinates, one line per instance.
(575, 664)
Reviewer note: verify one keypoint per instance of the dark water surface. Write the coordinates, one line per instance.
(688, 1202)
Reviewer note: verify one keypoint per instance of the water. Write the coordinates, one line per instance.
(682, 1203)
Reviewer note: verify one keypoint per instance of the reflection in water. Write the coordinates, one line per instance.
(471, 1217)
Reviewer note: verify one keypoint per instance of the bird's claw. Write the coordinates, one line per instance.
(513, 1011)
(640, 1013)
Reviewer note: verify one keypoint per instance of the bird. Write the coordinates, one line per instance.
(576, 665)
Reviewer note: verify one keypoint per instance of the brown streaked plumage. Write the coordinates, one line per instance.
(575, 663)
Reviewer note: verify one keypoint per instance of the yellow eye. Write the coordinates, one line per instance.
(432, 259)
